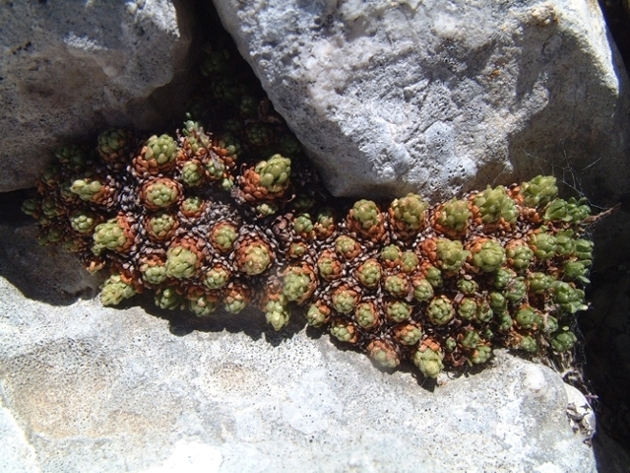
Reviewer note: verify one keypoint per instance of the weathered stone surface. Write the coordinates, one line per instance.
(443, 97)
(87, 388)
(69, 70)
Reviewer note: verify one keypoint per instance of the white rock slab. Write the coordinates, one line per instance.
(442, 97)
(90, 389)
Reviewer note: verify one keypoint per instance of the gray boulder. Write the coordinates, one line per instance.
(87, 388)
(70, 70)
(389, 97)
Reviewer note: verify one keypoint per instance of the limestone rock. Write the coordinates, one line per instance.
(87, 388)
(391, 96)
(69, 70)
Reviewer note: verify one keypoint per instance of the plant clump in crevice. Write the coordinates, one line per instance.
(238, 217)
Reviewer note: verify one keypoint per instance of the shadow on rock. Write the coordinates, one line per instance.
(251, 321)
(41, 273)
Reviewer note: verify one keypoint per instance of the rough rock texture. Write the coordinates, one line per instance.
(84, 388)
(442, 97)
(69, 70)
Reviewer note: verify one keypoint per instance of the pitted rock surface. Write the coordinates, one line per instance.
(85, 388)
(439, 98)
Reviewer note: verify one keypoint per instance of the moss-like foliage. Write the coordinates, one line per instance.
(239, 216)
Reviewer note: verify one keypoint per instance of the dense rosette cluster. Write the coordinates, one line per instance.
(439, 286)
(238, 217)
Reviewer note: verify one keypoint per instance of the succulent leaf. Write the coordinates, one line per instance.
(115, 290)
(428, 358)
(539, 191)
(440, 310)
